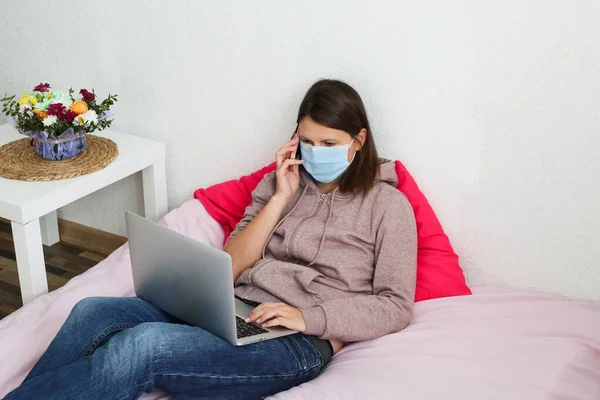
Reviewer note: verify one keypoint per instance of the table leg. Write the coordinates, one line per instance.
(49, 226)
(30, 259)
(154, 179)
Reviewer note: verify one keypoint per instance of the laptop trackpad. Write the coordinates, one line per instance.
(242, 309)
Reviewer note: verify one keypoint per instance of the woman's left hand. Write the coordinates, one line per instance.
(277, 314)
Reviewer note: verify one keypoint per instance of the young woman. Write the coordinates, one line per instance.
(327, 248)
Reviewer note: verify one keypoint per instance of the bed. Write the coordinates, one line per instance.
(498, 343)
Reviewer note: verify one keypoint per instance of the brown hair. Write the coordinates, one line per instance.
(337, 105)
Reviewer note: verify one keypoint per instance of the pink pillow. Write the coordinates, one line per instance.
(438, 271)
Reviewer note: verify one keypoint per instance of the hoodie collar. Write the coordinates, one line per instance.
(307, 180)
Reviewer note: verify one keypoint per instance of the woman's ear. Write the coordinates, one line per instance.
(361, 137)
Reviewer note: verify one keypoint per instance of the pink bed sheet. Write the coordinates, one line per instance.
(496, 344)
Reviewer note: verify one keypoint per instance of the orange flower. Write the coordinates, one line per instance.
(79, 107)
(41, 113)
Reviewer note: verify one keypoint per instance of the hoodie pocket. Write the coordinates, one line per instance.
(287, 281)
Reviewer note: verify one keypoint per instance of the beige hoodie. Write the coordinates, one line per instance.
(347, 261)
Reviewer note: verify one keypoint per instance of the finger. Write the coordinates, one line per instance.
(279, 157)
(279, 321)
(292, 142)
(251, 319)
(253, 313)
(289, 151)
(285, 166)
(283, 153)
(273, 312)
(266, 311)
(294, 139)
(289, 162)
(265, 316)
(286, 149)
(258, 311)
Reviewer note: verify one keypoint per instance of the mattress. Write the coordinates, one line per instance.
(498, 343)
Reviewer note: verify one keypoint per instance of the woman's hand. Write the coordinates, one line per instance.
(277, 314)
(288, 174)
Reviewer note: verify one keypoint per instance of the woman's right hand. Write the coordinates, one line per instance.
(288, 173)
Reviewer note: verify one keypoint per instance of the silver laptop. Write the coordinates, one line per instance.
(190, 280)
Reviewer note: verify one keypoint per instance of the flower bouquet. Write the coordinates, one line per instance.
(57, 120)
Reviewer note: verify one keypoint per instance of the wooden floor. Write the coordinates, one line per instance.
(79, 249)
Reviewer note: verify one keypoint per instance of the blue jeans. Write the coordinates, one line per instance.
(118, 348)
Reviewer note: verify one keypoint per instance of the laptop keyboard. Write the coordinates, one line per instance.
(245, 329)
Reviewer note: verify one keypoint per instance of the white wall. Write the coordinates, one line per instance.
(493, 105)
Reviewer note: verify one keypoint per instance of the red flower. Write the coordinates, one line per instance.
(88, 96)
(69, 116)
(61, 112)
(56, 109)
(42, 87)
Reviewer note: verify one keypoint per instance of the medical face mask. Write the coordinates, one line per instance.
(325, 164)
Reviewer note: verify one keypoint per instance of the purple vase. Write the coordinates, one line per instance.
(60, 150)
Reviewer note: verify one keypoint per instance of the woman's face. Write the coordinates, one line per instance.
(310, 132)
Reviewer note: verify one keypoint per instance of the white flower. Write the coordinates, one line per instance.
(50, 119)
(87, 117)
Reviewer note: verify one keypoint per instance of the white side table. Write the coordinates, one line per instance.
(31, 206)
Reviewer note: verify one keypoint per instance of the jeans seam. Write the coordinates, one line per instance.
(152, 368)
(92, 346)
(322, 360)
(302, 355)
(241, 377)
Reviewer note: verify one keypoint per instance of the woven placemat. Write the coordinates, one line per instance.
(19, 160)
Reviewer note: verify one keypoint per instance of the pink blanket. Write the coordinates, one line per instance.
(497, 344)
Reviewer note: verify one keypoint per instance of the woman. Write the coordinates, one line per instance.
(327, 248)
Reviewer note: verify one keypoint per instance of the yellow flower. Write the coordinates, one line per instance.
(34, 100)
(48, 95)
(24, 99)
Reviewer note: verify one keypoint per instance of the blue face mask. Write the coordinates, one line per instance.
(325, 164)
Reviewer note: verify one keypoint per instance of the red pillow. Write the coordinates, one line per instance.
(438, 271)
(227, 201)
